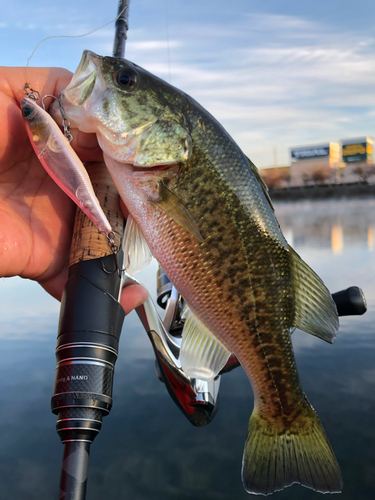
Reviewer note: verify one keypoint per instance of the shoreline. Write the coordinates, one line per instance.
(323, 192)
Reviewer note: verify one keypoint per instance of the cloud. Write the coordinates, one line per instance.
(287, 80)
(283, 72)
(155, 45)
(279, 77)
(279, 22)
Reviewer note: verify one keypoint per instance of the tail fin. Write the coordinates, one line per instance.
(273, 460)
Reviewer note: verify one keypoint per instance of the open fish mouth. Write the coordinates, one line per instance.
(85, 84)
(83, 81)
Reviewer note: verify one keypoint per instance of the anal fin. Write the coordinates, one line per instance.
(202, 356)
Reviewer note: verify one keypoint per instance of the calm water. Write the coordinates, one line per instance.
(146, 449)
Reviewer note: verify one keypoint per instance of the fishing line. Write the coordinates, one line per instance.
(168, 44)
(72, 36)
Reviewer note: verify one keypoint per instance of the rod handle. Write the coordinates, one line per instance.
(87, 242)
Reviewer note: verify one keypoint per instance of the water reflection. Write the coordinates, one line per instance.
(328, 224)
(146, 449)
(370, 238)
(337, 240)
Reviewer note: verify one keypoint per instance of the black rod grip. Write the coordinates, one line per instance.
(87, 346)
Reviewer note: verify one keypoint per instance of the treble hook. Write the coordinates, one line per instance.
(114, 249)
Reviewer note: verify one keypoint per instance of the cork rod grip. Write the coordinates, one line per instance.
(87, 242)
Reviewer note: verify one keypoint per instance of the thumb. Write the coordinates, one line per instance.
(133, 296)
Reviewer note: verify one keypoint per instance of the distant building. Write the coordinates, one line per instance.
(349, 161)
(359, 150)
(277, 177)
(357, 157)
(314, 164)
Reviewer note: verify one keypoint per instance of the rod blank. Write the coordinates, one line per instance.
(121, 29)
(74, 470)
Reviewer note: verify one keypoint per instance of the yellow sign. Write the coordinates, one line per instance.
(355, 149)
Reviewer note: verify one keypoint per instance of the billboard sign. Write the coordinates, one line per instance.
(359, 151)
(310, 152)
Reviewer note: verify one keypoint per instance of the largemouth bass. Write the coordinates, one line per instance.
(202, 208)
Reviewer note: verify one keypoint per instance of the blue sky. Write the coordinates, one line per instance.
(275, 73)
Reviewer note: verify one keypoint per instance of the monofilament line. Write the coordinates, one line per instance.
(72, 36)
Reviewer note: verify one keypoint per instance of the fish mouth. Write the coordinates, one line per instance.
(83, 82)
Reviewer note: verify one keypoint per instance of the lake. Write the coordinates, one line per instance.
(146, 448)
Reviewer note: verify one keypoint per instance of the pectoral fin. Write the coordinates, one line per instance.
(315, 310)
(202, 356)
(175, 208)
(137, 253)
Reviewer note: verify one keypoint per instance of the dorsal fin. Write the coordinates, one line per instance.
(261, 181)
(315, 310)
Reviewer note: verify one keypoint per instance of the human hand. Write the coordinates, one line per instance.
(36, 216)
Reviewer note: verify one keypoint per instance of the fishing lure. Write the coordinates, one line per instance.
(55, 154)
(62, 163)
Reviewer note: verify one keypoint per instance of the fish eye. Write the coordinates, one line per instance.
(126, 78)
(27, 112)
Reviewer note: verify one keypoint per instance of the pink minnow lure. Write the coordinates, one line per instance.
(61, 162)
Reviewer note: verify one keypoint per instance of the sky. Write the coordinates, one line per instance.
(275, 73)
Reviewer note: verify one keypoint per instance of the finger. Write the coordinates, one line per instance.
(48, 81)
(86, 146)
(44, 80)
(133, 296)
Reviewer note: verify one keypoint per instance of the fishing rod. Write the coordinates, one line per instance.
(90, 324)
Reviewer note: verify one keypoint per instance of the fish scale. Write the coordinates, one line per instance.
(205, 213)
(247, 314)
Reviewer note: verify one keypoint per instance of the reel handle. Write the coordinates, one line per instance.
(350, 302)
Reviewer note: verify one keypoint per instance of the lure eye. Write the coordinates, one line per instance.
(126, 78)
(27, 112)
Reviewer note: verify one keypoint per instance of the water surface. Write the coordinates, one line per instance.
(146, 449)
